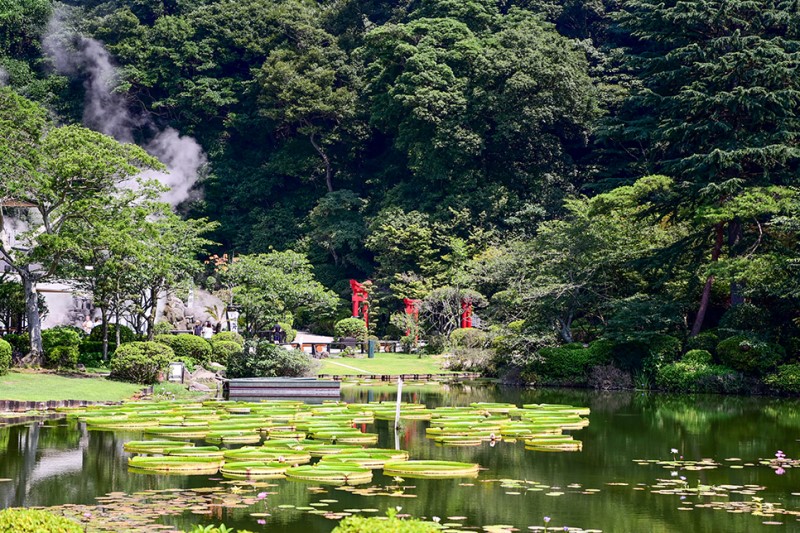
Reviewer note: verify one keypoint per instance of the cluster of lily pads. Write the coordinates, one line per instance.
(289, 435)
(540, 426)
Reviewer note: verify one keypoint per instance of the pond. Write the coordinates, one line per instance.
(613, 484)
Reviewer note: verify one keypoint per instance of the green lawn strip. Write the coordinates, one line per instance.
(383, 364)
(33, 386)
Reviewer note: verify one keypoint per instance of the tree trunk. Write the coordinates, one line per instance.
(328, 168)
(706, 297)
(151, 318)
(105, 333)
(566, 328)
(34, 322)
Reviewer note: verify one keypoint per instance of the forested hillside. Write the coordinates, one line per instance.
(589, 168)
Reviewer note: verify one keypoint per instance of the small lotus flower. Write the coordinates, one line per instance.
(673, 473)
(436, 519)
(780, 471)
(683, 478)
(87, 515)
(261, 521)
(674, 450)
(546, 519)
(398, 508)
(261, 495)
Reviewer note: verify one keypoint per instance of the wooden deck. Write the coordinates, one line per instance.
(310, 390)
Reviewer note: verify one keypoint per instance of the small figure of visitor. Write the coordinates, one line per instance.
(87, 325)
(218, 328)
(208, 330)
(198, 328)
(277, 334)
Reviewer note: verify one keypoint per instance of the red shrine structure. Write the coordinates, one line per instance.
(466, 313)
(360, 301)
(412, 311)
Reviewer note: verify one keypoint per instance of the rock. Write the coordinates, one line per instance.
(201, 374)
(195, 386)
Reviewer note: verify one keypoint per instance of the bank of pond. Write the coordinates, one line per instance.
(466, 457)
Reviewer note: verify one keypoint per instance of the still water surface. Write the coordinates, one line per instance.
(57, 462)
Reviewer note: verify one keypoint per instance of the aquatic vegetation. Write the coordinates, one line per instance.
(254, 470)
(431, 469)
(336, 474)
(174, 464)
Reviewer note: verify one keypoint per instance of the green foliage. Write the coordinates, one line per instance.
(685, 376)
(211, 528)
(60, 346)
(698, 357)
(5, 356)
(351, 327)
(703, 341)
(408, 343)
(749, 354)
(162, 328)
(140, 362)
(187, 345)
(265, 359)
(465, 359)
(126, 334)
(745, 317)
(469, 338)
(20, 342)
(222, 351)
(786, 379)
(566, 365)
(35, 521)
(228, 336)
(90, 353)
(291, 333)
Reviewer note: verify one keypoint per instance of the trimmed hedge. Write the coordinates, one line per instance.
(186, 345)
(750, 355)
(469, 338)
(60, 345)
(786, 379)
(568, 365)
(698, 377)
(140, 362)
(351, 327)
(266, 360)
(706, 340)
(228, 336)
(90, 353)
(36, 521)
(222, 351)
(162, 328)
(126, 334)
(702, 357)
(5, 356)
(20, 343)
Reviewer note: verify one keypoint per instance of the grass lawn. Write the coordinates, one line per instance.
(384, 363)
(34, 386)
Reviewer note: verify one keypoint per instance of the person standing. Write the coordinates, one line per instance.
(198, 329)
(207, 331)
(87, 325)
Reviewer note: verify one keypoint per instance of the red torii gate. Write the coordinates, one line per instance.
(360, 301)
(412, 310)
(466, 312)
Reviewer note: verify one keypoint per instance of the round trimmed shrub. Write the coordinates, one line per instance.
(186, 345)
(706, 340)
(222, 351)
(5, 356)
(60, 345)
(126, 334)
(266, 360)
(469, 338)
(786, 379)
(701, 357)
(35, 521)
(351, 327)
(162, 328)
(228, 336)
(750, 355)
(697, 377)
(565, 364)
(20, 343)
(90, 353)
(140, 362)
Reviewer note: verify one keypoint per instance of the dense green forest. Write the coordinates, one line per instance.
(614, 171)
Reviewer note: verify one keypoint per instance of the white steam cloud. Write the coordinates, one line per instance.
(108, 111)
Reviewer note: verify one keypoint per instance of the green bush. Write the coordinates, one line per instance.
(603, 349)
(90, 353)
(697, 377)
(749, 355)
(216, 529)
(374, 524)
(264, 359)
(35, 521)
(186, 345)
(20, 343)
(700, 357)
(140, 362)
(162, 328)
(706, 340)
(469, 338)
(60, 347)
(435, 345)
(351, 327)
(745, 317)
(126, 334)
(472, 360)
(287, 328)
(408, 343)
(630, 356)
(566, 365)
(786, 379)
(228, 336)
(5, 356)
(221, 351)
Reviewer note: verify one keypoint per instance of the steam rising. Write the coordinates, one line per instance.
(108, 111)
